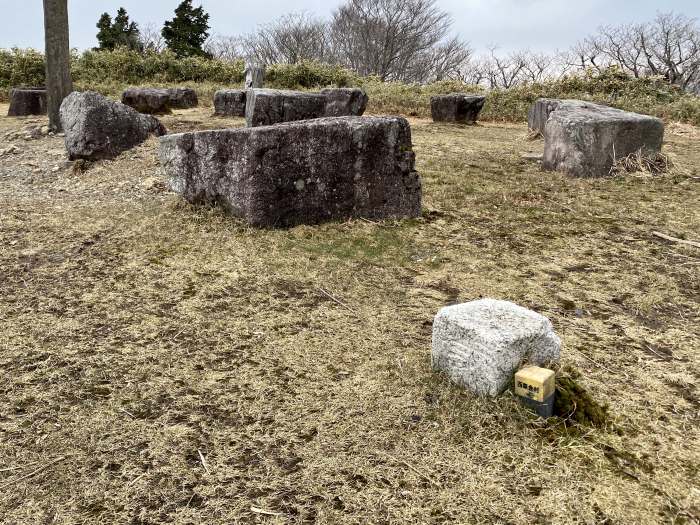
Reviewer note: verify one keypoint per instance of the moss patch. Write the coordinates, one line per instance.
(574, 403)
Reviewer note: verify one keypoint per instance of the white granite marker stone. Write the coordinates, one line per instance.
(480, 345)
(254, 75)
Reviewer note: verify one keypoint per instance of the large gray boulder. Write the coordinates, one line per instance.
(27, 101)
(159, 101)
(585, 139)
(480, 345)
(345, 102)
(98, 128)
(265, 107)
(299, 172)
(457, 107)
(230, 103)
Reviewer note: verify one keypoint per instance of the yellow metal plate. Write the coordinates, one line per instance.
(534, 383)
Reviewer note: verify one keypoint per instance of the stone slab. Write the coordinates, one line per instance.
(230, 103)
(457, 107)
(585, 139)
(299, 172)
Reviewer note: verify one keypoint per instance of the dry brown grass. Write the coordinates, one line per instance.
(141, 336)
(643, 164)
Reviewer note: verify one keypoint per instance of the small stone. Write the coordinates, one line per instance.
(55, 169)
(153, 183)
(480, 345)
(9, 151)
(44, 130)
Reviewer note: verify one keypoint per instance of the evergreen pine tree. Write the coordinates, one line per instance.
(105, 37)
(186, 33)
(122, 32)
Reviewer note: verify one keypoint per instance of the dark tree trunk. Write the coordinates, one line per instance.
(58, 77)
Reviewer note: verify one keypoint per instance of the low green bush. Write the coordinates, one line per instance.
(132, 67)
(21, 67)
(651, 96)
(309, 75)
(109, 72)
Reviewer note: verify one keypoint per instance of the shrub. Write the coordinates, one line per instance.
(111, 71)
(309, 75)
(21, 67)
(132, 67)
(652, 96)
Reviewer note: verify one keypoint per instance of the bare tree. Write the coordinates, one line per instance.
(539, 67)
(226, 48)
(582, 56)
(448, 59)
(395, 39)
(474, 71)
(503, 71)
(289, 40)
(152, 38)
(58, 75)
(669, 47)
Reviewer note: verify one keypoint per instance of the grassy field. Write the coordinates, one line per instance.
(168, 364)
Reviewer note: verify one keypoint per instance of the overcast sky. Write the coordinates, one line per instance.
(540, 25)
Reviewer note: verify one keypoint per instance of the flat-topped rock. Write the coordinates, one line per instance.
(540, 111)
(345, 102)
(457, 107)
(147, 100)
(230, 103)
(159, 101)
(480, 345)
(27, 101)
(585, 139)
(265, 107)
(183, 98)
(98, 128)
(299, 172)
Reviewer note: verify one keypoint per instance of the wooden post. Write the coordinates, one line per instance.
(58, 78)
